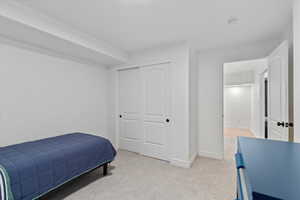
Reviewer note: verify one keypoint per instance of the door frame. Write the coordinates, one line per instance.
(262, 101)
(117, 109)
(223, 97)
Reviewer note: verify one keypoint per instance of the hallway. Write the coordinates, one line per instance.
(230, 136)
(235, 132)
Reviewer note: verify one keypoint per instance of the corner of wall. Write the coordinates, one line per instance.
(214, 155)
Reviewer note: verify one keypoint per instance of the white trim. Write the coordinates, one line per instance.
(141, 65)
(246, 61)
(262, 102)
(117, 109)
(254, 132)
(214, 155)
(193, 158)
(240, 85)
(181, 163)
(184, 163)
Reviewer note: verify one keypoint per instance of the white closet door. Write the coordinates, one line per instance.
(156, 110)
(130, 136)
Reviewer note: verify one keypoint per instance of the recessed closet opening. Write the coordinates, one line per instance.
(144, 107)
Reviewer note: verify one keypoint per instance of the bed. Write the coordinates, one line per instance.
(32, 169)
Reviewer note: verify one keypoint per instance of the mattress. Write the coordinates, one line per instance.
(31, 169)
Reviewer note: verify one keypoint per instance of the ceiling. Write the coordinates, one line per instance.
(244, 66)
(132, 25)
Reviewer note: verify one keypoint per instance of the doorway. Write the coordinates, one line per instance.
(243, 98)
(265, 112)
(264, 104)
(243, 101)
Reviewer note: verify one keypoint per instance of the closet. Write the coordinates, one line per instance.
(144, 100)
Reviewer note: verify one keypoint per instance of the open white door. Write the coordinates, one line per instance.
(278, 119)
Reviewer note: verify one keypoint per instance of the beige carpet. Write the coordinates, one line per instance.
(234, 132)
(134, 177)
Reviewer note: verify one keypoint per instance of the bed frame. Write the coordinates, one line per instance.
(88, 160)
(105, 168)
(104, 172)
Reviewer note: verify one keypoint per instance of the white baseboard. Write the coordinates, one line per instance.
(213, 155)
(193, 158)
(180, 163)
(116, 146)
(253, 132)
(183, 163)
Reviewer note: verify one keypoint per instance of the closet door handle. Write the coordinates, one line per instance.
(120, 116)
(280, 124)
(167, 120)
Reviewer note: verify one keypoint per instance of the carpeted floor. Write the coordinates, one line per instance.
(234, 132)
(134, 177)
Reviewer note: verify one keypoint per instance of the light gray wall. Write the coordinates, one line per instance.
(43, 96)
(193, 104)
(237, 106)
(245, 77)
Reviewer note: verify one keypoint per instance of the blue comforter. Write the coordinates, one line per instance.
(31, 169)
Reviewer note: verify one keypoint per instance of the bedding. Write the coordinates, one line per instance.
(31, 169)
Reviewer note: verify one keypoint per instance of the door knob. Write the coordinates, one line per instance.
(167, 120)
(120, 116)
(280, 124)
(289, 124)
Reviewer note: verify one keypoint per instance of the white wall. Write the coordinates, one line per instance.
(210, 97)
(238, 106)
(257, 117)
(43, 96)
(297, 70)
(179, 56)
(245, 77)
(193, 104)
